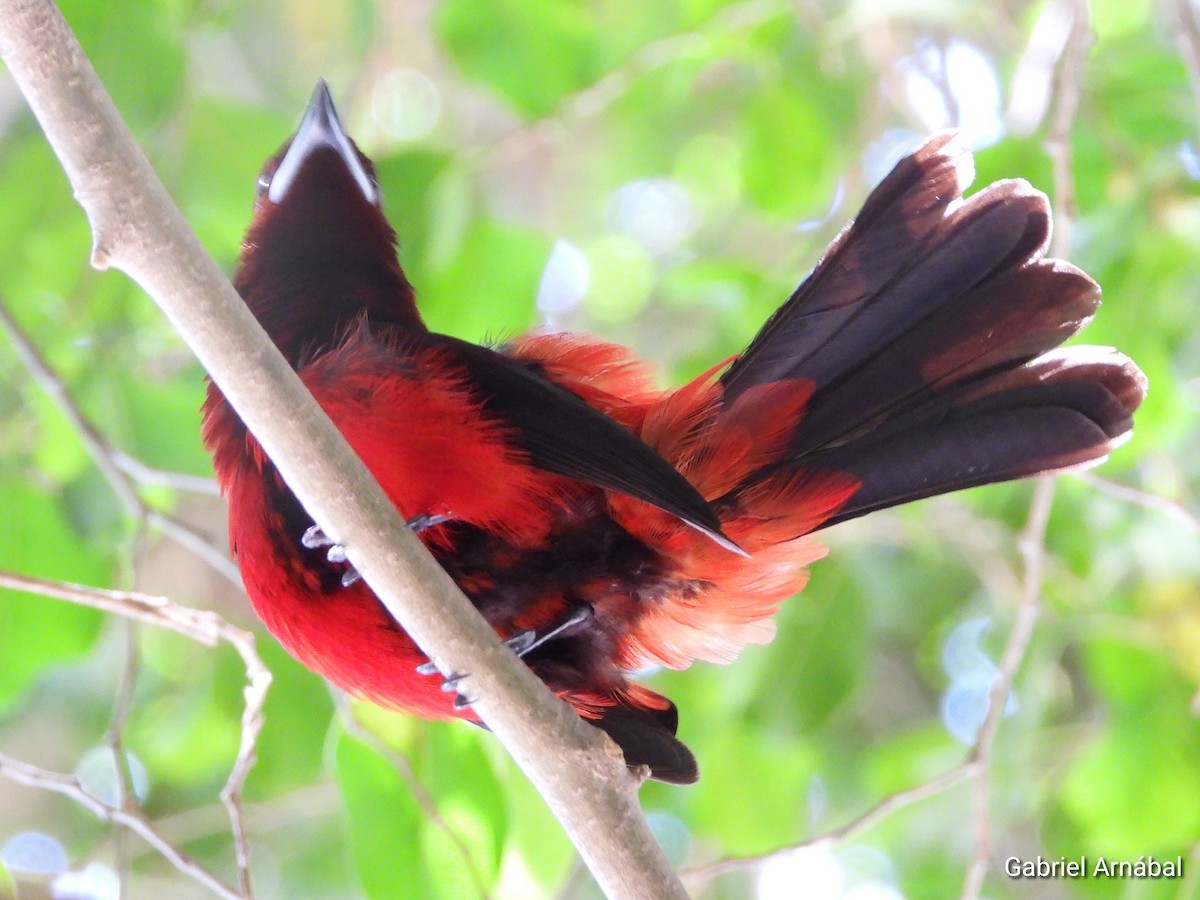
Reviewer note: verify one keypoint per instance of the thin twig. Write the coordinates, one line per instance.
(1033, 548)
(121, 709)
(207, 628)
(1187, 36)
(1145, 499)
(69, 786)
(886, 807)
(259, 680)
(1062, 121)
(150, 476)
(114, 741)
(111, 463)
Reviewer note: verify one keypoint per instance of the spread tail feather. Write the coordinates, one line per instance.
(1065, 411)
(927, 333)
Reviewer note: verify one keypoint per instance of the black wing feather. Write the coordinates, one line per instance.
(563, 435)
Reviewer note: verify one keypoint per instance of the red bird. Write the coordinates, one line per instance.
(602, 525)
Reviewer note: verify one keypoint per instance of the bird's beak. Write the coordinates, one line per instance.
(320, 128)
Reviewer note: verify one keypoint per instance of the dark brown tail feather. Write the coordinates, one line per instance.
(898, 219)
(647, 738)
(1065, 411)
(923, 331)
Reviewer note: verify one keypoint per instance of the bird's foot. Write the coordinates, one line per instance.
(521, 643)
(315, 538)
(527, 640)
(417, 524)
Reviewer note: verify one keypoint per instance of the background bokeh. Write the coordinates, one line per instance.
(661, 173)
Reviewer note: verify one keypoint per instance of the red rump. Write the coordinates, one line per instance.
(603, 525)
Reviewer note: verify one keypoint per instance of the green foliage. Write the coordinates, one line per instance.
(36, 536)
(766, 123)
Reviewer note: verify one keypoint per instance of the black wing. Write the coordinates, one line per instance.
(563, 435)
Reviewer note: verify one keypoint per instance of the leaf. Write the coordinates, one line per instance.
(36, 539)
(485, 38)
(383, 822)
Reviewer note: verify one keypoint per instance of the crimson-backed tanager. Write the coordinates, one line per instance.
(603, 525)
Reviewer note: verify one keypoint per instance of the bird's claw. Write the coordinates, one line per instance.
(314, 538)
(520, 642)
(450, 683)
(526, 640)
(417, 524)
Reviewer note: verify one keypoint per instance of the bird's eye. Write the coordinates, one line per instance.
(260, 186)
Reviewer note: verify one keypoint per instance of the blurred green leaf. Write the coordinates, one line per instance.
(36, 539)
(559, 34)
(488, 289)
(383, 822)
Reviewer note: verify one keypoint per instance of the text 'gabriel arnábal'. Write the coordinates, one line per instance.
(1082, 867)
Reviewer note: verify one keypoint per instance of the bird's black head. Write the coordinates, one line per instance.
(319, 252)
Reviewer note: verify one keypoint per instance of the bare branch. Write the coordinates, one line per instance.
(1187, 36)
(876, 814)
(107, 459)
(69, 786)
(199, 625)
(138, 229)
(1146, 500)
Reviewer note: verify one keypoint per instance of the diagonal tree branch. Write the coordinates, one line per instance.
(137, 229)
